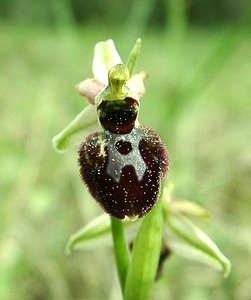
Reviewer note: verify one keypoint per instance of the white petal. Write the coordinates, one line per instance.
(105, 57)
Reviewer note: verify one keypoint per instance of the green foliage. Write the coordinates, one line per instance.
(137, 274)
(132, 12)
(145, 256)
(207, 131)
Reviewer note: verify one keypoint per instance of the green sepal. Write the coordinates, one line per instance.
(98, 227)
(187, 208)
(185, 239)
(94, 234)
(74, 134)
(133, 57)
(145, 256)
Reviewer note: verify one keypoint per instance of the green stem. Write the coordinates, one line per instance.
(120, 250)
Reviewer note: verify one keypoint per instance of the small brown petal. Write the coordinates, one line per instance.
(90, 88)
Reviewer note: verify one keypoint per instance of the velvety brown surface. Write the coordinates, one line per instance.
(124, 176)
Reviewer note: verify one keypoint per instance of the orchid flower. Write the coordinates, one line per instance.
(86, 122)
(123, 165)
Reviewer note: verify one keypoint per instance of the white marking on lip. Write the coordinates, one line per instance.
(117, 161)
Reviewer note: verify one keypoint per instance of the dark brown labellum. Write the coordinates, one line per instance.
(118, 116)
(124, 171)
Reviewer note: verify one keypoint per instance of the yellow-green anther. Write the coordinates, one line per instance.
(118, 76)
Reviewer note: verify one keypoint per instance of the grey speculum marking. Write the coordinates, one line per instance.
(117, 161)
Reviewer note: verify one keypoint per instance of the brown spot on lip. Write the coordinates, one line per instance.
(123, 147)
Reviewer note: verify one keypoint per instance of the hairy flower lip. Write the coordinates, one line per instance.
(130, 195)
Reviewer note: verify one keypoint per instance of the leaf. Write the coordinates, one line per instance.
(185, 239)
(145, 257)
(84, 124)
(95, 233)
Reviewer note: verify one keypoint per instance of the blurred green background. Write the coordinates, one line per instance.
(198, 57)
